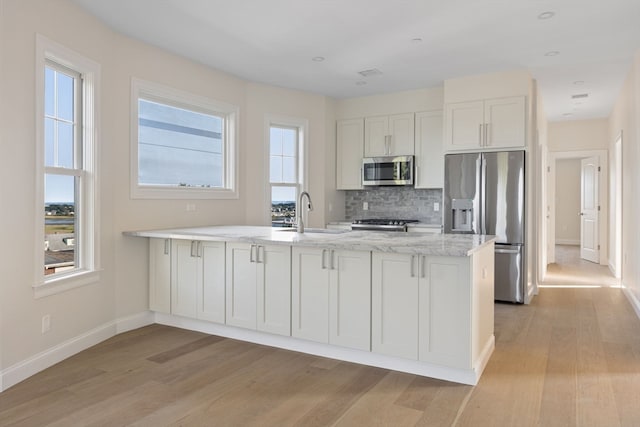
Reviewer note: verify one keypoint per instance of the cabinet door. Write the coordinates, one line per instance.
(310, 294)
(160, 275)
(445, 310)
(350, 299)
(464, 125)
(241, 274)
(184, 278)
(402, 131)
(274, 289)
(429, 152)
(211, 300)
(349, 153)
(505, 122)
(395, 301)
(376, 130)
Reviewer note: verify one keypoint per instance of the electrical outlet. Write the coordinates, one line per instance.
(436, 207)
(191, 207)
(365, 206)
(46, 323)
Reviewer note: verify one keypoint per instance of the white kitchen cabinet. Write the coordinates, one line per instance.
(331, 296)
(258, 287)
(434, 309)
(349, 153)
(395, 305)
(389, 135)
(160, 275)
(197, 279)
(429, 160)
(485, 124)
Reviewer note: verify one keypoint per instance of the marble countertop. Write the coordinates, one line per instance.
(379, 241)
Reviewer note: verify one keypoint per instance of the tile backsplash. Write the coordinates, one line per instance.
(394, 202)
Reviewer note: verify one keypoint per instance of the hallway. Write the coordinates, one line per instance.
(570, 270)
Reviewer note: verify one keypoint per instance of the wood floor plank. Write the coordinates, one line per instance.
(167, 355)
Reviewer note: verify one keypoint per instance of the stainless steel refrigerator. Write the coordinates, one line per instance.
(484, 193)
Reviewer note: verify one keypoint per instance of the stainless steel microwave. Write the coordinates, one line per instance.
(393, 170)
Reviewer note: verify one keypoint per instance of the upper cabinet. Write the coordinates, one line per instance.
(350, 149)
(429, 161)
(486, 124)
(389, 135)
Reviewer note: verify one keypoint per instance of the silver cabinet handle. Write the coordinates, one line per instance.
(167, 245)
(251, 249)
(258, 258)
(486, 134)
(322, 262)
(423, 266)
(412, 266)
(480, 135)
(199, 249)
(387, 144)
(193, 249)
(331, 265)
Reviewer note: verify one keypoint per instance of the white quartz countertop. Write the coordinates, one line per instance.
(380, 241)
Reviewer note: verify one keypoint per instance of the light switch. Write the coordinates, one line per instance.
(436, 207)
(365, 206)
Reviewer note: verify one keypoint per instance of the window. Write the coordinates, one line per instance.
(286, 168)
(183, 146)
(66, 189)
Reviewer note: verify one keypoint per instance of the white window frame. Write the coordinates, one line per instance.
(302, 125)
(169, 96)
(87, 228)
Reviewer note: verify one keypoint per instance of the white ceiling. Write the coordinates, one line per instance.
(274, 42)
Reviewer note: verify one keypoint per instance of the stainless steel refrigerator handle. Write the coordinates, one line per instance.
(507, 251)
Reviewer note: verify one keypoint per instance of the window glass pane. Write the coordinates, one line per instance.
(275, 141)
(49, 96)
(64, 89)
(289, 142)
(49, 138)
(59, 223)
(289, 169)
(283, 206)
(65, 145)
(275, 169)
(178, 147)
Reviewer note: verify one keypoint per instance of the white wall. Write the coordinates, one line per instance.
(122, 290)
(568, 201)
(625, 118)
(578, 135)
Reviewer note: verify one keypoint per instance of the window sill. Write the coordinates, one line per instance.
(65, 283)
(150, 192)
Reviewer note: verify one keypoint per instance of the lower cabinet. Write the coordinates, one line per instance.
(198, 279)
(331, 296)
(160, 275)
(258, 287)
(421, 308)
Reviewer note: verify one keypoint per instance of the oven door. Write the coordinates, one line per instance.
(387, 170)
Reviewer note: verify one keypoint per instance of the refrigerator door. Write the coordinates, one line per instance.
(503, 196)
(462, 213)
(509, 277)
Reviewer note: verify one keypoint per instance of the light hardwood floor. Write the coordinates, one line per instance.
(571, 358)
(570, 269)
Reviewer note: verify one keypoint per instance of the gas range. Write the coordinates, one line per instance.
(382, 224)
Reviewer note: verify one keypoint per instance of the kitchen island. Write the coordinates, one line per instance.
(418, 303)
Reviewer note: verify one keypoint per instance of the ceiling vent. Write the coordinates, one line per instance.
(371, 72)
(579, 95)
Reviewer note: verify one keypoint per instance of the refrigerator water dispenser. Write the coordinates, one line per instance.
(462, 214)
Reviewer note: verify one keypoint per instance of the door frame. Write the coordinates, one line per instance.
(603, 225)
(615, 209)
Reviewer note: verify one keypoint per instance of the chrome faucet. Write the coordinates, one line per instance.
(299, 221)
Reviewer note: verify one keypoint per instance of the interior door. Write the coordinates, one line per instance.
(589, 210)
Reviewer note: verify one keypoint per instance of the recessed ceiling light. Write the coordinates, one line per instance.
(568, 114)
(578, 82)
(371, 72)
(361, 83)
(318, 58)
(552, 53)
(546, 15)
(580, 95)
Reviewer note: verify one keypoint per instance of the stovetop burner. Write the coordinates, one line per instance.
(382, 224)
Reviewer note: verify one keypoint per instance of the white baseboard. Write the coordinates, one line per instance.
(571, 242)
(43, 360)
(635, 303)
(459, 375)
